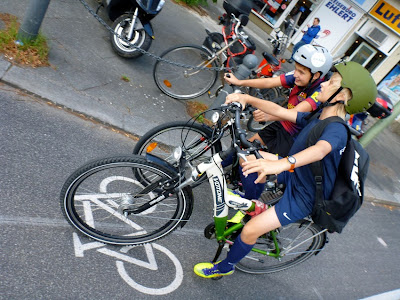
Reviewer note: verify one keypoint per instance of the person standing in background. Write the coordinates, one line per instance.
(308, 36)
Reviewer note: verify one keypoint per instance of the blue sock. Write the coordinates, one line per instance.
(251, 190)
(235, 254)
(228, 161)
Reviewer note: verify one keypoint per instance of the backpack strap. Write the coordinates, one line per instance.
(317, 167)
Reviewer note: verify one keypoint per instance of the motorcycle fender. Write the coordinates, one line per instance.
(139, 25)
(148, 29)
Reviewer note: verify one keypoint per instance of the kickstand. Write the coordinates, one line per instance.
(98, 8)
(219, 250)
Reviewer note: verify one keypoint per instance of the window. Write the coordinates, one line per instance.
(363, 54)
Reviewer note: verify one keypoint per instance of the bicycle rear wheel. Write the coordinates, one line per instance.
(94, 199)
(297, 242)
(185, 83)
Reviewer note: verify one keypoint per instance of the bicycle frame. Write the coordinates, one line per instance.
(216, 55)
(222, 201)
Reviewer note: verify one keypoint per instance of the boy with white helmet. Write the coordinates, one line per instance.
(311, 67)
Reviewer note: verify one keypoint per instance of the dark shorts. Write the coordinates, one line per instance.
(277, 139)
(288, 209)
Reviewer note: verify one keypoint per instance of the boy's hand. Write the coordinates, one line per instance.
(264, 167)
(231, 79)
(235, 97)
(260, 116)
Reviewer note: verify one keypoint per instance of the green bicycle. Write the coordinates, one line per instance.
(132, 200)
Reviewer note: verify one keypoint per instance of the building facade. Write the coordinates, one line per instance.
(368, 31)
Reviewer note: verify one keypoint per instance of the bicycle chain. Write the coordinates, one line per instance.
(156, 57)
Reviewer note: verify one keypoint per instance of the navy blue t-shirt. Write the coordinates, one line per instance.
(300, 184)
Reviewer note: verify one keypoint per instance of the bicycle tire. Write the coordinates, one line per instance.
(255, 126)
(269, 94)
(140, 38)
(185, 83)
(257, 263)
(94, 196)
(166, 137)
(271, 197)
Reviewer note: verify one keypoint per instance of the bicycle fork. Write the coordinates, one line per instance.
(222, 202)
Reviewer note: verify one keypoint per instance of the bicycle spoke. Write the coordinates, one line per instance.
(95, 202)
(303, 237)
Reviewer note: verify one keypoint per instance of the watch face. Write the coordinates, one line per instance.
(291, 159)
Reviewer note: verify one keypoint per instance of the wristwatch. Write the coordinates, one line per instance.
(292, 162)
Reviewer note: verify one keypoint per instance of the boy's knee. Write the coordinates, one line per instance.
(249, 233)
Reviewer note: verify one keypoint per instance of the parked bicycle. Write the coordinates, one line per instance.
(218, 51)
(131, 200)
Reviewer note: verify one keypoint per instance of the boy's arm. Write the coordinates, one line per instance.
(266, 167)
(264, 105)
(301, 107)
(260, 83)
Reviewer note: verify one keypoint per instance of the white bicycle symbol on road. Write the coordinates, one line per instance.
(122, 256)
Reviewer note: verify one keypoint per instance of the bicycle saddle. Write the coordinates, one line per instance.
(270, 59)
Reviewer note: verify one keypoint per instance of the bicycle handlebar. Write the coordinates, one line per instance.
(241, 133)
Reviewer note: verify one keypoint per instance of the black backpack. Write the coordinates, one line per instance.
(348, 191)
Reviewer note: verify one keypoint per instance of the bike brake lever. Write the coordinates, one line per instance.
(242, 154)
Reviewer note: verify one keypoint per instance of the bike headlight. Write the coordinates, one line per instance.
(177, 153)
(215, 117)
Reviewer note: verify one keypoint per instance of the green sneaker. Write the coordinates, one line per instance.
(209, 270)
(235, 193)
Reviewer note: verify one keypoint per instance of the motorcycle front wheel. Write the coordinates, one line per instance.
(139, 38)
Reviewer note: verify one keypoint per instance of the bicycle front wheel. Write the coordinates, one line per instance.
(185, 83)
(95, 197)
(296, 242)
(195, 138)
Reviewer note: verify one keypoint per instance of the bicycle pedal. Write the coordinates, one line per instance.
(217, 278)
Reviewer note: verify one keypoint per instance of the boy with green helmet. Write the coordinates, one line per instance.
(350, 90)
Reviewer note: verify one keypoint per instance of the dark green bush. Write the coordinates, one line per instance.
(196, 2)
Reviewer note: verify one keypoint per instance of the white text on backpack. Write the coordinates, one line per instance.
(354, 173)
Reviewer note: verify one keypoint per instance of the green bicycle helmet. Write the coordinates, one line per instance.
(362, 86)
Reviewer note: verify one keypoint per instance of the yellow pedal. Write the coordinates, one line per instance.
(237, 217)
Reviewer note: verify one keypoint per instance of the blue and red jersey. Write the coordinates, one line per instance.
(297, 95)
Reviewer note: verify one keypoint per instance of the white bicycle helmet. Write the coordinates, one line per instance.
(316, 58)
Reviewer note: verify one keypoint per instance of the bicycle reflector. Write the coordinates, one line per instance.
(167, 83)
(151, 147)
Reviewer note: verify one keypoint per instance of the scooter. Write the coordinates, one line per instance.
(381, 109)
(132, 22)
(278, 42)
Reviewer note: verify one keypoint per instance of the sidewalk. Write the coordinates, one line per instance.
(85, 77)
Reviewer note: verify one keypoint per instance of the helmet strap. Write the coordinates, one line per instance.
(327, 103)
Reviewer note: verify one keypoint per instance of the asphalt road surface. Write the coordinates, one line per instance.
(42, 257)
